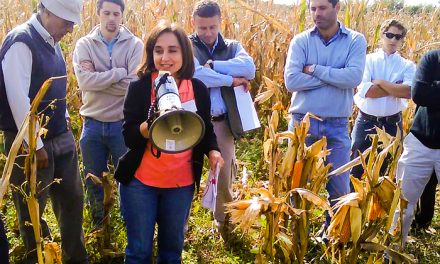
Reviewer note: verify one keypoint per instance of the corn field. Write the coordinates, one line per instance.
(279, 207)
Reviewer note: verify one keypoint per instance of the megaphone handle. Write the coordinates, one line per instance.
(157, 154)
(162, 80)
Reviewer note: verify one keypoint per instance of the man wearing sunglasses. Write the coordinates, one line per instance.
(384, 90)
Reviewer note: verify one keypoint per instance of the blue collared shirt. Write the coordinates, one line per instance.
(242, 65)
(340, 62)
(325, 42)
(109, 45)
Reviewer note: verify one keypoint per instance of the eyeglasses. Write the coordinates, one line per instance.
(390, 35)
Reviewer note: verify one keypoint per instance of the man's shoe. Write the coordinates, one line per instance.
(225, 229)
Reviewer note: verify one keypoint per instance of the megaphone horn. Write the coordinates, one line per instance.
(175, 130)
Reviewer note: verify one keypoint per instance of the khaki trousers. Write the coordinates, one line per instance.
(227, 174)
(414, 169)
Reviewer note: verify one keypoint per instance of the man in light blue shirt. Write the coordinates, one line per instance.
(324, 65)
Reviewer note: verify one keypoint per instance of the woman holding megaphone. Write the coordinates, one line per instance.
(157, 185)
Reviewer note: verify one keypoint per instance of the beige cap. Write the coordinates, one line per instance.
(69, 10)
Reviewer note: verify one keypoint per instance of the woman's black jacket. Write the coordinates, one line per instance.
(136, 105)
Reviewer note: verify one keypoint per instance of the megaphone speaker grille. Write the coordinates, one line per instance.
(176, 131)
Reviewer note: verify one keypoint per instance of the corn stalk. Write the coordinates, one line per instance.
(363, 218)
(109, 187)
(295, 178)
(29, 126)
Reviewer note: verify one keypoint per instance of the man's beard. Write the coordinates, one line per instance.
(111, 27)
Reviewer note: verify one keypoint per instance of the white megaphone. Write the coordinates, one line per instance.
(175, 129)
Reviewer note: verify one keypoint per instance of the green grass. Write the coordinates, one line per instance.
(203, 244)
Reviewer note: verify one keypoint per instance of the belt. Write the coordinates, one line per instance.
(219, 118)
(383, 119)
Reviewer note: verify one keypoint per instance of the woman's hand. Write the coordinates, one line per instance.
(143, 128)
(214, 158)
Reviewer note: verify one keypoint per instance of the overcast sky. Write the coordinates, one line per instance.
(407, 2)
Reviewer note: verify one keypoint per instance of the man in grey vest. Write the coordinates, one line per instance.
(221, 64)
(105, 62)
(29, 55)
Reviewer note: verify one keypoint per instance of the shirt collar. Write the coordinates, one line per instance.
(213, 46)
(385, 55)
(112, 41)
(41, 30)
(342, 30)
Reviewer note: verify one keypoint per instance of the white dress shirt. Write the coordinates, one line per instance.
(392, 68)
(17, 69)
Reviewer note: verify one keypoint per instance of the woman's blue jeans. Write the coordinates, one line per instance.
(142, 207)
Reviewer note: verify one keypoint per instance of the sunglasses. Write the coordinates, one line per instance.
(390, 35)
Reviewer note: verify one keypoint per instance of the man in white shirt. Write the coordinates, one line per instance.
(382, 94)
(30, 54)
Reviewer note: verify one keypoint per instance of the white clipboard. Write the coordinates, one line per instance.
(246, 109)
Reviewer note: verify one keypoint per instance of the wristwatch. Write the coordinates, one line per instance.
(312, 68)
(211, 64)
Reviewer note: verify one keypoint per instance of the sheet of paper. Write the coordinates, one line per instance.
(190, 106)
(246, 109)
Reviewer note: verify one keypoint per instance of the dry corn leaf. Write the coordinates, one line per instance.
(285, 244)
(267, 149)
(385, 192)
(355, 223)
(52, 253)
(264, 193)
(351, 164)
(358, 187)
(396, 256)
(274, 120)
(95, 179)
(263, 97)
(288, 161)
(313, 198)
(393, 207)
(289, 135)
(316, 148)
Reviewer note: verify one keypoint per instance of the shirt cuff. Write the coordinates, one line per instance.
(363, 88)
(317, 70)
(409, 83)
(39, 143)
(229, 80)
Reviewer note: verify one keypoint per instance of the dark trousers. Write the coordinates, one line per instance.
(67, 198)
(426, 204)
(363, 127)
(4, 249)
